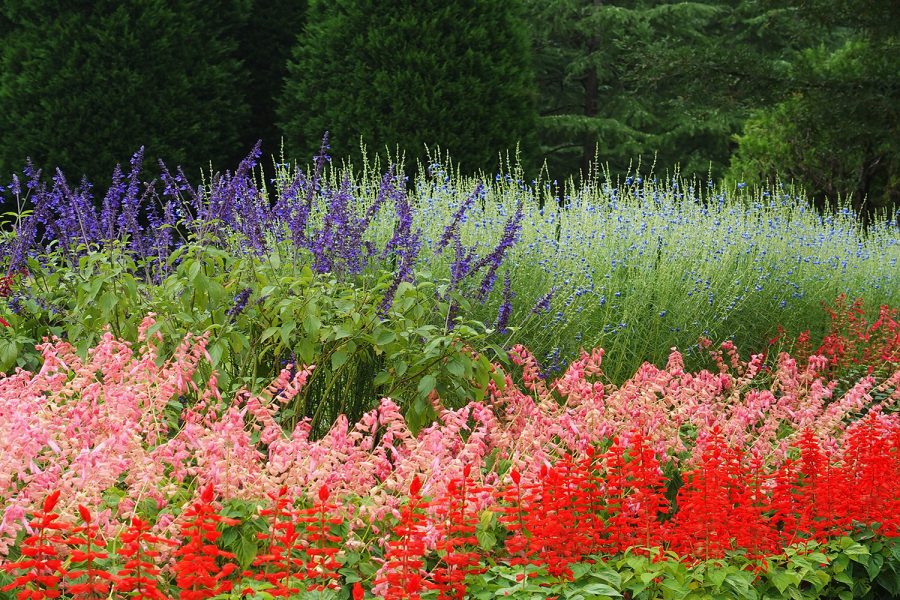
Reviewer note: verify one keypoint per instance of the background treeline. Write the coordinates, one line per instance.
(748, 90)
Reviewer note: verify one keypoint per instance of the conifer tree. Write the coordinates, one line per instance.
(450, 73)
(265, 42)
(669, 83)
(84, 84)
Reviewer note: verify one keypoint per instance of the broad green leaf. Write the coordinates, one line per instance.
(385, 337)
(600, 589)
(338, 359)
(426, 384)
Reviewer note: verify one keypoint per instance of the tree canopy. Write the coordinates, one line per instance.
(450, 74)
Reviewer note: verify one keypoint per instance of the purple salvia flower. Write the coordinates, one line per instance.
(462, 263)
(543, 303)
(15, 187)
(111, 203)
(406, 262)
(493, 260)
(240, 302)
(402, 229)
(346, 239)
(451, 231)
(319, 161)
(131, 203)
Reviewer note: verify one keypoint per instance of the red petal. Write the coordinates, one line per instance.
(207, 494)
(50, 501)
(323, 493)
(416, 486)
(358, 592)
(85, 514)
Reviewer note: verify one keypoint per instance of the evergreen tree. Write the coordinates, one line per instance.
(451, 73)
(664, 82)
(84, 84)
(265, 44)
(836, 133)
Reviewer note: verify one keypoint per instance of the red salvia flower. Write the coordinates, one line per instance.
(458, 542)
(281, 560)
(870, 455)
(514, 509)
(703, 524)
(197, 571)
(139, 577)
(94, 579)
(636, 495)
(40, 568)
(322, 566)
(404, 576)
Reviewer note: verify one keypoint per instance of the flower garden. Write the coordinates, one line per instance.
(325, 383)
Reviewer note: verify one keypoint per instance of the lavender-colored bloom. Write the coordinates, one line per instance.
(15, 304)
(404, 272)
(543, 303)
(493, 260)
(506, 307)
(111, 203)
(15, 187)
(240, 302)
(403, 227)
(451, 231)
(462, 263)
(319, 161)
(131, 203)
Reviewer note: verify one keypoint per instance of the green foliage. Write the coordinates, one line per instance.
(83, 85)
(643, 81)
(837, 133)
(456, 75)
(843, 568)
(264, 45)
(292, 316)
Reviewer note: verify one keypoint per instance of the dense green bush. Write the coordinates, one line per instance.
(83, 84)
(450, 74)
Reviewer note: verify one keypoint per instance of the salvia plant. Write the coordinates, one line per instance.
(636, 265)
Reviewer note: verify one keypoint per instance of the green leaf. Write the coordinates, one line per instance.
(614, 578)
(385, 337)
(306, 351)
(311, 324)
(338, 359)
(247, 548)
(873, 566)
(287, 328)
(107, 301)
(426, 385)
(784, 579)
(456, 366)
(486, 539)
(600, 589)
(856, 553)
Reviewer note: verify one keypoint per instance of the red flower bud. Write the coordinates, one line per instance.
(85, 514)
(207, 494)
(50, 501)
